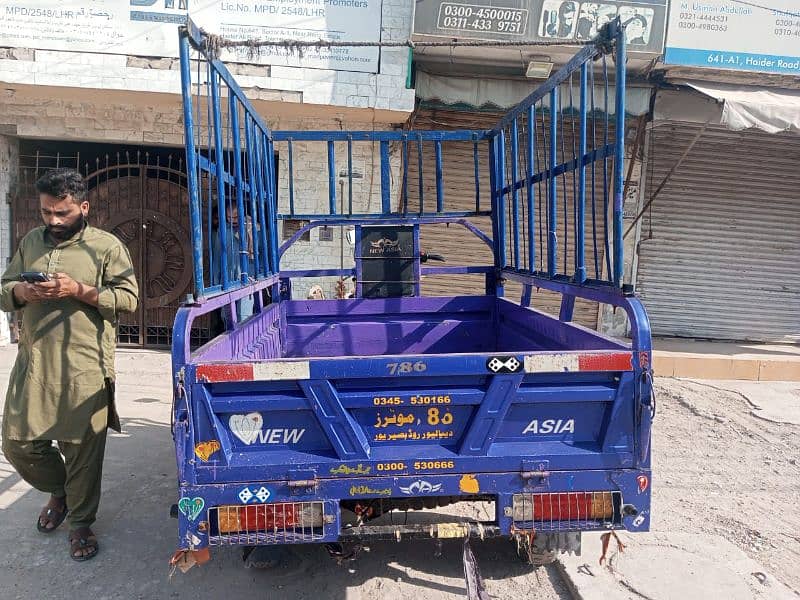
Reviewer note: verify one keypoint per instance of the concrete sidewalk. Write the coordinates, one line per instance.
(743, 361)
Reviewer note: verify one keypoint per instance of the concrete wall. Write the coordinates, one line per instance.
(9, 163)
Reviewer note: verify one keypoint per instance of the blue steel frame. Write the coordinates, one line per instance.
(236, 166)
(526, 161)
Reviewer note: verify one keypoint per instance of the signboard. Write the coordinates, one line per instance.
(724, 34)
(149, 27)
(538, 20)
(138, 27)
(298, 20)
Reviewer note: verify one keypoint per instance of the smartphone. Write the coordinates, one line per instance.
(33, 277)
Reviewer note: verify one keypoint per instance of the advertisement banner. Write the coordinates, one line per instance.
(149, 28)
(537, 20)
(727, 34)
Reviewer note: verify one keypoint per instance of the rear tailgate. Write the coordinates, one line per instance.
(378, 416)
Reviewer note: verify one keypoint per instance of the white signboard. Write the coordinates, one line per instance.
(139, 27)
(149, 27)
(728, 34)
(298, 20)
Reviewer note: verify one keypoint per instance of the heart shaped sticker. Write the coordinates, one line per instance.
(204, 450)
(191, 507)
(246, 427)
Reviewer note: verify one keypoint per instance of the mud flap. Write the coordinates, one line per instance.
(472, 575)
(605, 539)
(186, 559)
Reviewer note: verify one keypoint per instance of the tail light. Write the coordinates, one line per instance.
(269, 517)
(568, 506)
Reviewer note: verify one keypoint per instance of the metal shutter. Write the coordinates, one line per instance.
(458, 245)
(720, 246)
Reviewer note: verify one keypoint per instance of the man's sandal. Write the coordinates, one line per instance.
(53, 516)
(82, 538)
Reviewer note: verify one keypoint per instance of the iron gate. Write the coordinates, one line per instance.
(141, 198)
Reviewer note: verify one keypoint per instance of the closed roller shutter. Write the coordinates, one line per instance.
(720, 246)
(459, 246)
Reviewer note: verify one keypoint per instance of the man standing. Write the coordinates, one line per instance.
(62, 385)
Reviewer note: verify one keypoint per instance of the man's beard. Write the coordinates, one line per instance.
(61, 234)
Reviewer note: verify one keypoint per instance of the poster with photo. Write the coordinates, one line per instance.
(568, 19)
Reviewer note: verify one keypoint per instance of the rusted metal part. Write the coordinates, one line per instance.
(420, 531)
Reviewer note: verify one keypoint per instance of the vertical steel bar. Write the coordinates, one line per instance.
(514, 191)
(501, 197)
(594, 178)
(580, 256)
(477, 172)
(251, 176)
(493, 196)
(529, 183)
(552, 234)
(219, 153)
(192, 175)
(419, 175)
(272, 215)
(331, 178)
(350, 174)
(244, 251)
(405, 174)
(386, 180)
(606, 245)
(619, 157)
(290, 152)
(439, 177)
(262, 196)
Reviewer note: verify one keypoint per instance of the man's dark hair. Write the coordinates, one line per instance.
(61, 183)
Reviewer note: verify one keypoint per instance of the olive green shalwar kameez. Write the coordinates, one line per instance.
(62, 385)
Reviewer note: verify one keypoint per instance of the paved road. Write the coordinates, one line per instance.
(137, 536)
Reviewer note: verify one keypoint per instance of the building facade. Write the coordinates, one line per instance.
(102, 94)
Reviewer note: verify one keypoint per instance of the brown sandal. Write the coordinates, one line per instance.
(51, 515)
(82, 538)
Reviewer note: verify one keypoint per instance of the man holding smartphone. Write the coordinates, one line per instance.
(71, 281)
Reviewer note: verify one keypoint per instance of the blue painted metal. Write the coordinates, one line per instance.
(244, 262)
(349, 174)
(364, 398)
(552, 223)
(290, 152)
(530, 164)
(192, 176)
(386, 180)
(439, 177)
(476, 164)
(619, 158)
(500, 214)
(219, 154)
(331, 179)
(580, 225)
(405, 174)
(514, 192)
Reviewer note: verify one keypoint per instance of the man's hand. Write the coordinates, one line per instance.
(60, 285)
(25, 293)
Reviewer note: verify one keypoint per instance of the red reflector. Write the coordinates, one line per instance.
(224, 372)
(572, 506)
(619, 361)
(258, 517)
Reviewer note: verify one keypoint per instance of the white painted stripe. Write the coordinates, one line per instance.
(280, 370)
(551, 363)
